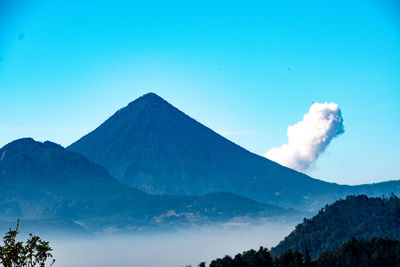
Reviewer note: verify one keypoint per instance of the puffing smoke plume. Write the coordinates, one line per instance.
(308, 138)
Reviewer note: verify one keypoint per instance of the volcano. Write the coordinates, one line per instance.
(152, 146)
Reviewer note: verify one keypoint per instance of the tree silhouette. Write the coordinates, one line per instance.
(34, 252)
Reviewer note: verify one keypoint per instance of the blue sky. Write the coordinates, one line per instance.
(247, 70)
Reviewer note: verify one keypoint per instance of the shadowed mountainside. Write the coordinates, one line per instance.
(44, 181)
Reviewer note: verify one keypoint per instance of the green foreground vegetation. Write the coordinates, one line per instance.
(34, 252)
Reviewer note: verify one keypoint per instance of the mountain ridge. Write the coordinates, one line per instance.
(46, 182)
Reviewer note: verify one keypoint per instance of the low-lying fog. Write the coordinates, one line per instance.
(172, 249)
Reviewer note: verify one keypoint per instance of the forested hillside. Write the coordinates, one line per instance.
(356, 216)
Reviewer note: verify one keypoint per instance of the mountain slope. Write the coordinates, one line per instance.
(44, 181)
(152, 146)
(356, 216)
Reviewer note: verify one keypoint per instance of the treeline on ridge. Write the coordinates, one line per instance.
(376, 252)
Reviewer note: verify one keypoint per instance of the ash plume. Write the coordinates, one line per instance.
(310, 137)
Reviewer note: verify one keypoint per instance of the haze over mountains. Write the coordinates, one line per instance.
(153, 146)
(44, 182)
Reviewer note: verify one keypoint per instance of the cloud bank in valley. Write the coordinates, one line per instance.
(310, 137)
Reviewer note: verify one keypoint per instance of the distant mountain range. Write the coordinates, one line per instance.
(47, 183)
(152, 146)
(150, 165)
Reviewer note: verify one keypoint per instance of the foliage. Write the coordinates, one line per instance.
(34, 252)
(376, 252)
(260, 258)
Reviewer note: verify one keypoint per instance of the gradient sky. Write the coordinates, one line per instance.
(247, 71)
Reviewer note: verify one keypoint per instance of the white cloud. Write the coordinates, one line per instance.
(308, 138)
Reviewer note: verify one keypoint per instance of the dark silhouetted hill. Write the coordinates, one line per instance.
(356, 216)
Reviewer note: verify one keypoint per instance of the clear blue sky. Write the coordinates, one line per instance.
(67, 66)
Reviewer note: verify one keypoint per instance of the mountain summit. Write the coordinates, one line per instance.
(153, 146)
